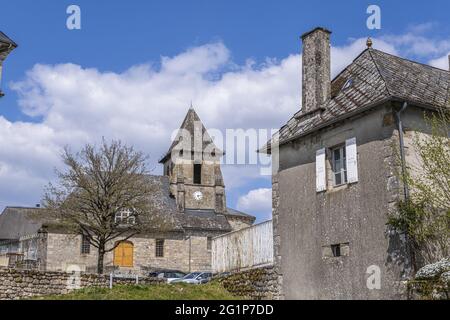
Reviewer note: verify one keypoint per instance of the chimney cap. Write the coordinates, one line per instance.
(314, 30)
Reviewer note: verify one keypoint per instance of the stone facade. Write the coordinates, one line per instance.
(180, 253)
(276, 235)
(354, 216)
(194, 149)
(23, 284)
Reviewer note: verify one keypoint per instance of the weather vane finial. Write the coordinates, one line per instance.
(369, 42)
(191, 107)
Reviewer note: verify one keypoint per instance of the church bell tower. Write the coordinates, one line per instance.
(192, 164)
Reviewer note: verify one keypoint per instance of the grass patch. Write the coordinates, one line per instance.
(181, 291)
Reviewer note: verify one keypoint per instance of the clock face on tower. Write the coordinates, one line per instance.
(198, 195)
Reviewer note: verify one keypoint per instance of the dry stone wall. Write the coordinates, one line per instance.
(19, 284)
(257, 284)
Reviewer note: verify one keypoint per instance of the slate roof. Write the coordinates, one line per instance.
(204, 219)
(189, 124)
(19, 221)
(165, 207)
(376, 77)
(239, 214)
(5, 39)
(16, 222)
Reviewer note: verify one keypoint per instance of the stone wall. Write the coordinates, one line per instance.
(276, 234)
(257, 284)
(429, 290)
(19, 284)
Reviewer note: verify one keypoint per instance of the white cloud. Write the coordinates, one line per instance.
(143, 105)
(257, 202)
(442, 62)
(419, 40)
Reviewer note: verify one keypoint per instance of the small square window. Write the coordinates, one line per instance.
(339, 165)
(336, 250)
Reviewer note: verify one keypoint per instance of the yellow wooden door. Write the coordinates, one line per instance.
(123, 254)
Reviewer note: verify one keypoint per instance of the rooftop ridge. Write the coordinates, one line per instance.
(409, 60)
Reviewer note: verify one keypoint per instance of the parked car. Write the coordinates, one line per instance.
(195, 278)
(169, 275)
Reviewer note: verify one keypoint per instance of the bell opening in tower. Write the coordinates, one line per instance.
(197, 173)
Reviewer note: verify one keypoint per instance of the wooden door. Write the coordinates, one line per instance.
(123, 254)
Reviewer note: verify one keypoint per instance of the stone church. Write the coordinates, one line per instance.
(337, 177)
(190, 196)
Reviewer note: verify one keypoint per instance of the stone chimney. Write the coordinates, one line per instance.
(316, 83)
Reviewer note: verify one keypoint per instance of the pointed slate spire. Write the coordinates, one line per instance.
(193, 127)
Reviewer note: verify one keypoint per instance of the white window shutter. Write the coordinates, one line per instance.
(352, 160)
(321, 179)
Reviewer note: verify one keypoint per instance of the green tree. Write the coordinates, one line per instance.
(425, 216)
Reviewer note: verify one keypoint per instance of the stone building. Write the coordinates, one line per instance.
(6, 46)
(336, 182)
(190, 196)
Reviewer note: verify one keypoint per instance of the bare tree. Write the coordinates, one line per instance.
(102, 195)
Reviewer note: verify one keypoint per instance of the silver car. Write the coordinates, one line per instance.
(195, 278)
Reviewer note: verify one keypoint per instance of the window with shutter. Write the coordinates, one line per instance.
(351, 160)
(321, 183)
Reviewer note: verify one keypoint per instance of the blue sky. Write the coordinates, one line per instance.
(205, 51)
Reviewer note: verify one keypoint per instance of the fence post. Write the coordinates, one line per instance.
(137, 279)
(110, 280)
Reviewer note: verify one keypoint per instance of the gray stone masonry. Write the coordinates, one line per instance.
(256, 284)
(22, 284)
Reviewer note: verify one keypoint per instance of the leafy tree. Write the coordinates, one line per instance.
(425, 216)
(99, 186)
